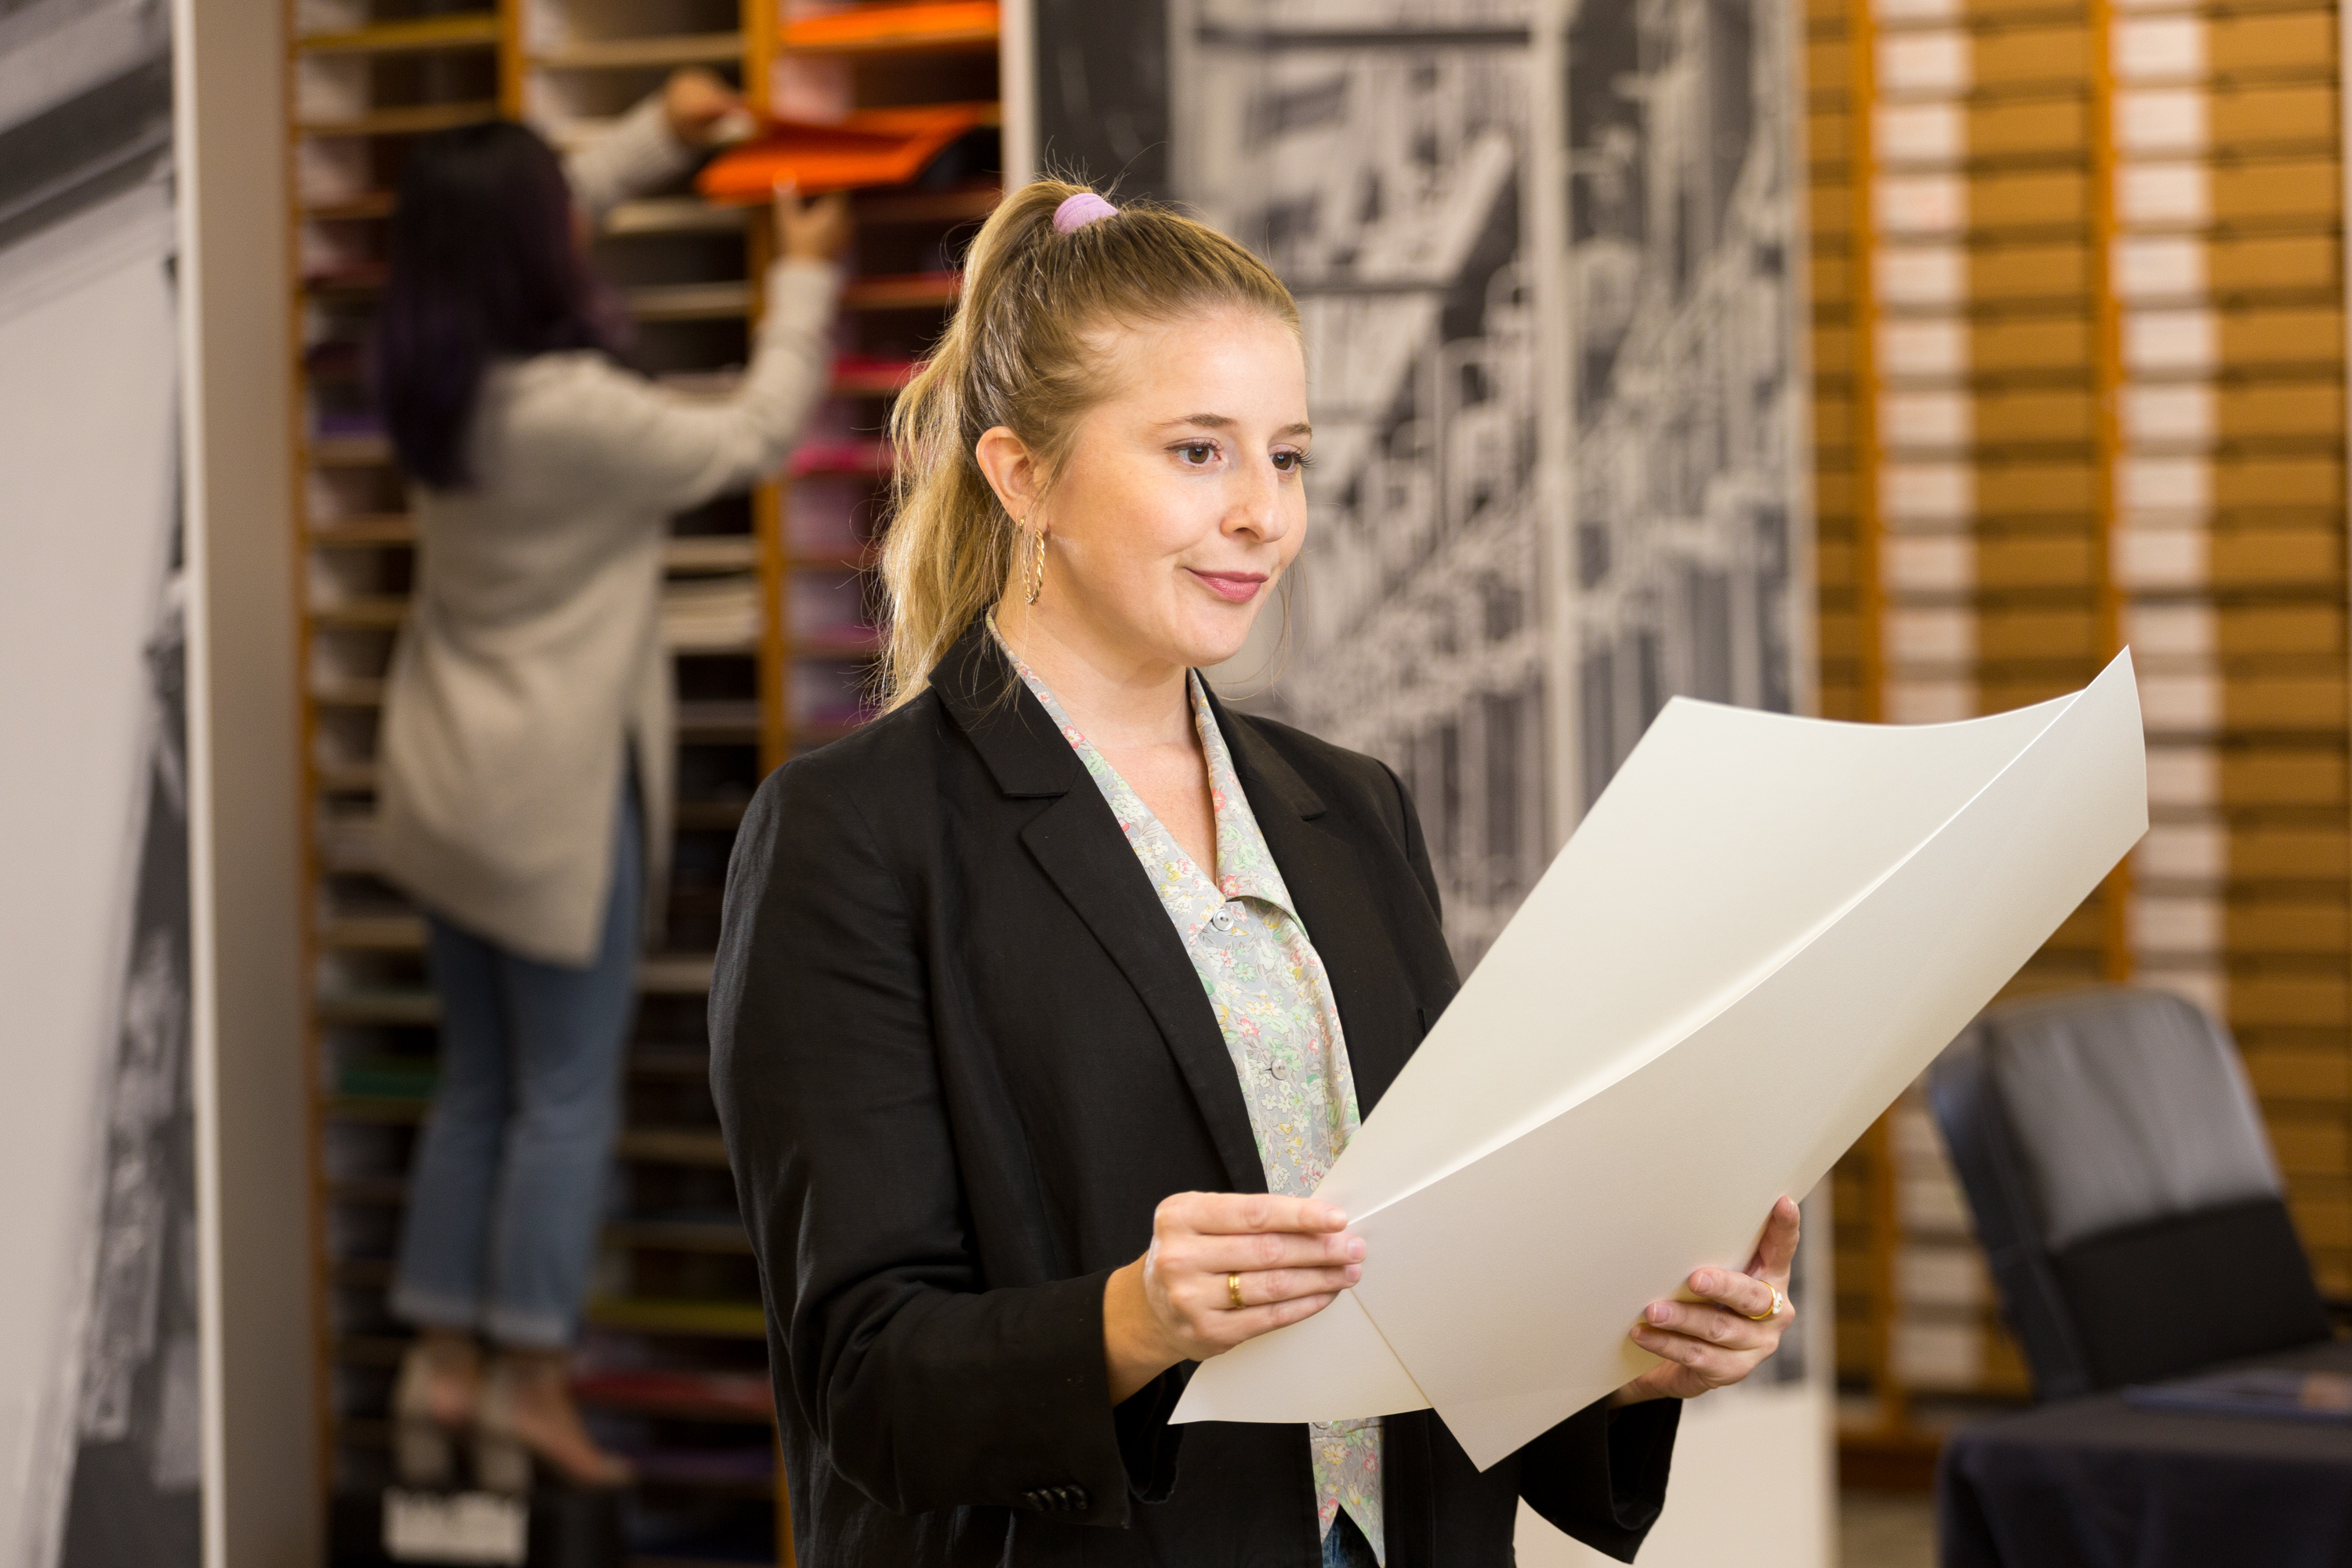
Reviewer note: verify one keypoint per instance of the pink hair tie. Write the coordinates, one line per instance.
(1076, 212)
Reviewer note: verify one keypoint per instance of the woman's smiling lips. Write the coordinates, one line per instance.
(1233, 587)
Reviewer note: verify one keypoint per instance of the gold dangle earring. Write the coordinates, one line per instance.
(1032, 580)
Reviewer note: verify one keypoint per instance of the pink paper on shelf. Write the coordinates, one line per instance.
(742, 1393)
(741, 1466)
(840, 457)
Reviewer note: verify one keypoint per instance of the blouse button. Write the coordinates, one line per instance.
(1222, 919)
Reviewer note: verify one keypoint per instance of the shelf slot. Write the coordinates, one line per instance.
(713, 1320)
(413, 119)
(903, 292)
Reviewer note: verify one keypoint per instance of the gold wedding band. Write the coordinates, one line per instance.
(1778, 1300)
(1234, 1290)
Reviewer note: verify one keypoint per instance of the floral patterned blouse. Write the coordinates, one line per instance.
(1275, 1006)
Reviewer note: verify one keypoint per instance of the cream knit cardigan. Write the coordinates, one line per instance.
(532, 652)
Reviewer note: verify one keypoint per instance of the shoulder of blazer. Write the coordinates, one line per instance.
(1357, 786)
(891, 770)
(880, 774)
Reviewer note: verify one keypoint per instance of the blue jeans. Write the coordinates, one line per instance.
(508, 1191)
(1345, 1546)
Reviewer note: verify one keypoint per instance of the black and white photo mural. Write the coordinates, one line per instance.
(1685, 472)
(1543, 253)
(1380, 156)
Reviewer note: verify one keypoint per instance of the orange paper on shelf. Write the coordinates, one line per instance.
(872, 147)
(891, 26)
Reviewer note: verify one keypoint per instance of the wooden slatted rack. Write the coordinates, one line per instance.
(2079, 321)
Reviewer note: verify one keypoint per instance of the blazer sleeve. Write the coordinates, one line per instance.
(1600, 1475)
(928, 1389)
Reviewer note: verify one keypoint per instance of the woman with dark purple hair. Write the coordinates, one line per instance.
(526, 755)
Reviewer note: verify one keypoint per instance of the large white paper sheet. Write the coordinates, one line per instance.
(1765, 928)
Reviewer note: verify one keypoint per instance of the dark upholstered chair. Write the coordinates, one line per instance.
(2124, 1189)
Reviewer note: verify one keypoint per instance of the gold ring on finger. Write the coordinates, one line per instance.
(1234, 1292)
(1778, 1302)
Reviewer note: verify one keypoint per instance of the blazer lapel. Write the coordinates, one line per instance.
(1335, 905)
(1076, 842)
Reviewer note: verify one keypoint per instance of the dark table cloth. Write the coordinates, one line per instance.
(2097, 1483)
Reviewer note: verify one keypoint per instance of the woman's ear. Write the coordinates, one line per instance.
(1011, 470)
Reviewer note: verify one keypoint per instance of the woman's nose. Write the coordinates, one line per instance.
(1258, 507)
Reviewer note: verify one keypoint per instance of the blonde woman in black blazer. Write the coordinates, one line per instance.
(988, 1135)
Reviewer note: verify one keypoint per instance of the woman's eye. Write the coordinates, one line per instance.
(1290, 462)
(1198, 452)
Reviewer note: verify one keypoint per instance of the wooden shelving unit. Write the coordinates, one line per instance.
(361, 84)
(770, 614)
(2078, 297)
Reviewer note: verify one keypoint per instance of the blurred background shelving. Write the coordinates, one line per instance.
(768, 612)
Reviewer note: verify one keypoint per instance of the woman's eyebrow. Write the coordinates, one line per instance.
(1225, 422)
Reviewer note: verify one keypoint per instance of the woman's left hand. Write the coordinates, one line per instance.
(1716, 1342)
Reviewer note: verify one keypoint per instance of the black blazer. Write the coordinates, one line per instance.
(960, 1056)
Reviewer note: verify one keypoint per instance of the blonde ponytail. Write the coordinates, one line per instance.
(1017, 353)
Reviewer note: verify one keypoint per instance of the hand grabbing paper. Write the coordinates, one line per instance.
(1764, 928)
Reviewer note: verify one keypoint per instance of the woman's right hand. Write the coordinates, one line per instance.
(817, 229)
(1290, 1256)
(699, 106)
